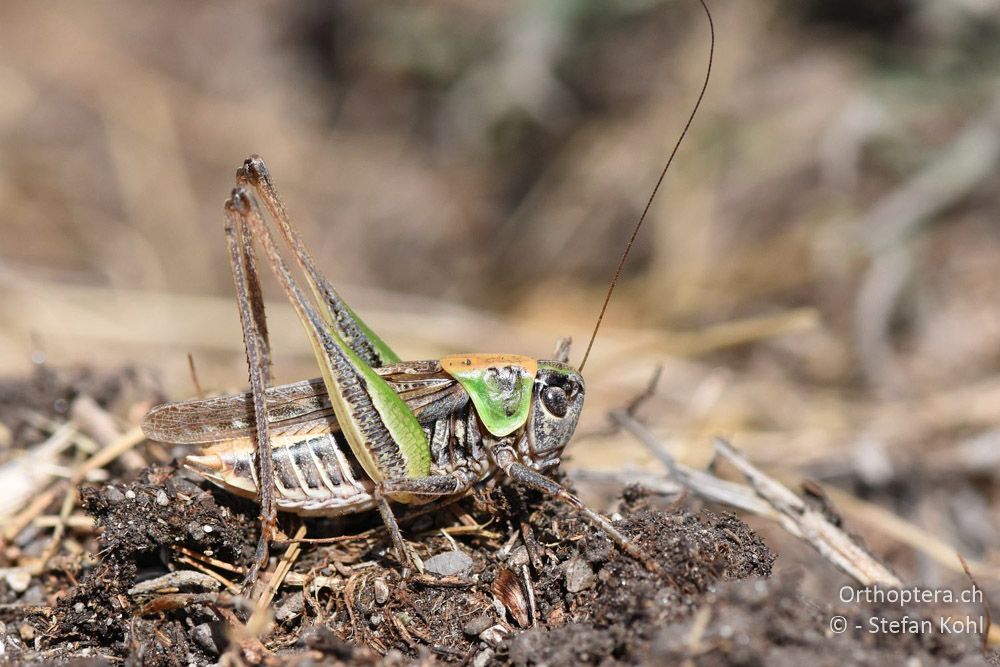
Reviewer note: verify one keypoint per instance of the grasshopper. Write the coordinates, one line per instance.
(373, 430)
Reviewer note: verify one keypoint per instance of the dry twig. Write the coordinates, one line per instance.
(779, 503)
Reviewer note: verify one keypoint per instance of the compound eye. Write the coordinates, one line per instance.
(554, 400)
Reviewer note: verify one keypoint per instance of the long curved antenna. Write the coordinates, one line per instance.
(656, 188)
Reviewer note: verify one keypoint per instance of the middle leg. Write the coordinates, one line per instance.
(416, 488)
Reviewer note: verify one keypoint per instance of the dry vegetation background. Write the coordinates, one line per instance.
(818, 276)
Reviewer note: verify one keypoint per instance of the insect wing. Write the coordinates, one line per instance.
(211, 419)
(427, 392)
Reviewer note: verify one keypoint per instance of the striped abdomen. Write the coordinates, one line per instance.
(314, 473)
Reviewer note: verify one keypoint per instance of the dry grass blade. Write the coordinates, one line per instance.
(990, 635)
(774, 501)
(704, 484)
(263, 603)
(22, 478)
(124, 443)
(830, 541)
(229, 585)
(903, 531)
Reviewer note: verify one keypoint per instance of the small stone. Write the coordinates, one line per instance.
(475, 625)
(113, 495)
(448, 563)
(579, 575)
(79, 607)
(290, 608)
(483, 658)
(381, 591)
(494, 635)
(203, 637)
(34, 596)
(161, 498)
(518, 557)
(27, 632)
(130, 494)
(207, 529)
(375, 620)
(18, 579)
(499, 608)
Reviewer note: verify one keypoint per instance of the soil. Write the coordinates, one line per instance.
(531, 583)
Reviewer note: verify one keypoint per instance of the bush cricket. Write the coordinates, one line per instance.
(373, 429)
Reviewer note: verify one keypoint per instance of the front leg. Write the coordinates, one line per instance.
(521, 474)
(416, 489)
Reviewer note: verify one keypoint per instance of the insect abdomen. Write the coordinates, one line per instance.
(313, 473)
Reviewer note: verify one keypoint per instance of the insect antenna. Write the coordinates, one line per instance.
(656, 188)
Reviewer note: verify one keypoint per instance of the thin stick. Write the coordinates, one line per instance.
(656, 188)
(198, 390)
(112, 451)
(208, 560)
(988, 630)
(102, 458)
(704, 484)
(230, 586)
(21, 480)
(829, 540)
(274, 583)
(69, 501)
(773, 501)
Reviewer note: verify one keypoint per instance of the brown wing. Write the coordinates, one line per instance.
(428, 392)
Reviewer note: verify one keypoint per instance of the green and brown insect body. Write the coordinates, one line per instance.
(373, 429)
(315, 470)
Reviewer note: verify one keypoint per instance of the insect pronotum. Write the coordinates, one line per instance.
(374, 429)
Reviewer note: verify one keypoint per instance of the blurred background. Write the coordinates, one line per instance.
(818, 277)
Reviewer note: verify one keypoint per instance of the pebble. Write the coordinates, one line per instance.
(33, 596)
(483, 658)
(208, 529)
(130, 494)
(161, 498)
(579, 575)
(518, 557)
(114, 495)
(290, 608)
(18, 579)
(381, 591)
(203, 637)
(475, 625)
(494, 635)
(448, 563)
